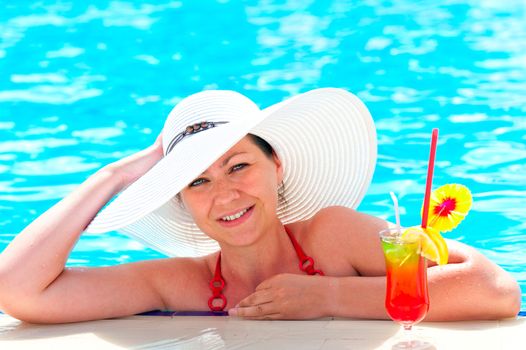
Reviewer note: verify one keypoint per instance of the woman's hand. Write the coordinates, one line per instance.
(287, 296)
(131, 168)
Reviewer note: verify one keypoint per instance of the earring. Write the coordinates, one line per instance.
(179, 201)
(281, 192)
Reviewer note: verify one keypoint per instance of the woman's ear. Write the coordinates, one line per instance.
(279, 167)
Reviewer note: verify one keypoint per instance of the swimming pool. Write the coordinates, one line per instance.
(82, 85)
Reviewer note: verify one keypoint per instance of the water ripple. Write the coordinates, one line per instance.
(495, 153)
(33, 147)
(66, 51)
(7, 125)
(39, 78)
(42, 131)
(509, 203)
(58, 93)
(54, 166)
(98, 134)
(35, 193)
(50, 94)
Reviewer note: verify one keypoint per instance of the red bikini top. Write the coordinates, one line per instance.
(217, 284)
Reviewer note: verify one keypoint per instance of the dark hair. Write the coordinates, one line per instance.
(267, 150)
(263, 145)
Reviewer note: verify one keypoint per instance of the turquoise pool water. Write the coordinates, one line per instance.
(82, 85)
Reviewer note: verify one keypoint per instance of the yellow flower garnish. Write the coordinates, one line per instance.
(448, 206)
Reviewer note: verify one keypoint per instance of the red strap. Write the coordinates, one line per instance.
(217, 284)
(306, 262)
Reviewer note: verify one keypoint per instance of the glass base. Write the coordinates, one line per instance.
(414, 344)
(411, 339)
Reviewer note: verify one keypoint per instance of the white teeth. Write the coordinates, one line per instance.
(235, 216)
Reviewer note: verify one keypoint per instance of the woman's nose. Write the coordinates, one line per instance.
(224, 193)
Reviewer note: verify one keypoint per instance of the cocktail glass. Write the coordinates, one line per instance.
(406, 298)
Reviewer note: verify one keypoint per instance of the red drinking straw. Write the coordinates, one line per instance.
(429, 181)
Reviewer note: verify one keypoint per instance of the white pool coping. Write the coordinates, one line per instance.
(209, 332)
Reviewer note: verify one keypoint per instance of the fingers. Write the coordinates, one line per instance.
(266, 284)
(255, 312)
(159, 137)
(158, 144)
(256, 298)
(259, 305)
(265, 317)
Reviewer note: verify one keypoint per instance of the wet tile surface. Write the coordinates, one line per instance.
(199, 332)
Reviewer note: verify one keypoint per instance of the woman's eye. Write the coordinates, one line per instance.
(197, 182)
(238, 167)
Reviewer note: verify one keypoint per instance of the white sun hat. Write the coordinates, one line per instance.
(325, 139)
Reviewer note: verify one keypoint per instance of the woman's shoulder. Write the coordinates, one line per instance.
(193, 266)
(174, 277)
(343, 220)
(311, 231)
(172, 272)
(338, 228)
(330, 213)
(340, 236)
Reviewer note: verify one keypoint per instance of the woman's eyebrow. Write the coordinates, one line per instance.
(225, 162)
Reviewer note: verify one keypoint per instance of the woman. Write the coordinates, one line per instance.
(237, 197)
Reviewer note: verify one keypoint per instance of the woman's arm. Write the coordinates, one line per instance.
(32, 271)
(469, 287)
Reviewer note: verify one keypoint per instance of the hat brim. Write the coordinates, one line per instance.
(325, 139)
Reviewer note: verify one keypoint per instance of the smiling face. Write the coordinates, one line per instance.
(235, 200)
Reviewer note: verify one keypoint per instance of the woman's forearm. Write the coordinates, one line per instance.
(459, 291)
(35, 258)
(473, 289)
(356, 297)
